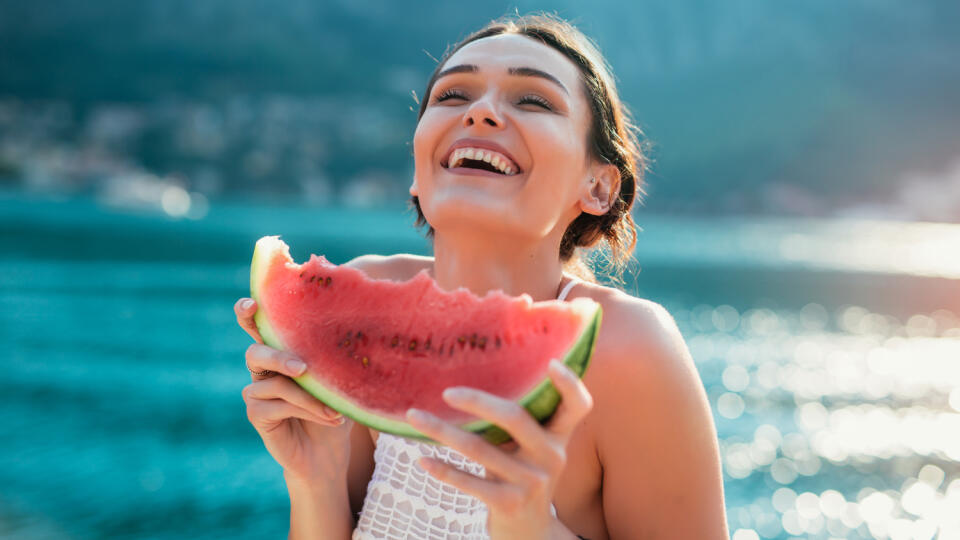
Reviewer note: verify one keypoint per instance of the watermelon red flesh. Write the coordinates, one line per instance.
(386, 346)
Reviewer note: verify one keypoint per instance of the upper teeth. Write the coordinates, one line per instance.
(496, 159)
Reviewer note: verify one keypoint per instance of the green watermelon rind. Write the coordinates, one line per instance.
(263, 253)
(541, 402)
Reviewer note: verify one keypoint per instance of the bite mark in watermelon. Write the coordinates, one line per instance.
(375, 348)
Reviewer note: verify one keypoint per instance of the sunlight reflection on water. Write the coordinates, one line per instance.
(857, 432)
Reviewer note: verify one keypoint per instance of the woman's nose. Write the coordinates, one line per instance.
(482, 111)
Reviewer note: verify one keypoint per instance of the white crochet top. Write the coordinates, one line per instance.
(404, 502)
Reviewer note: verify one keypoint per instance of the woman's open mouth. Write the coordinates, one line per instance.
(480, 162)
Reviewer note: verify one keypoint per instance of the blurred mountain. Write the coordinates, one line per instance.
(805, 107)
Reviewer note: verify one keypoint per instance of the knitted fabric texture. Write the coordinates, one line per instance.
(403, 501)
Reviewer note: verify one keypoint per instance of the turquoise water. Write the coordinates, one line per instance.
(830, 351)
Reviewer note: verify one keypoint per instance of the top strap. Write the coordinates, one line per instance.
(567, 287)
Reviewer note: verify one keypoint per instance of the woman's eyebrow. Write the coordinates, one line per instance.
(517, 71)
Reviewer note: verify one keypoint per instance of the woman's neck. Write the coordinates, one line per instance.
(481, 264)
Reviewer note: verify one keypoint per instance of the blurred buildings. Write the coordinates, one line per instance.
(140, 155)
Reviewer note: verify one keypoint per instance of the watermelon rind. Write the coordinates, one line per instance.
(266, 250)
(541, 402)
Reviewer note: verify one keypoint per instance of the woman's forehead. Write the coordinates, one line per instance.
(497, 53)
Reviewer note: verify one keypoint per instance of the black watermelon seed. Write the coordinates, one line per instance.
(413, 344)
(482, 343)
(312, 278)
(473, 341)
(326, 282)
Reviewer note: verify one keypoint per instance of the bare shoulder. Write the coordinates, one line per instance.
(633, 325)
(641, 364)
(652, 426)
(398, 267)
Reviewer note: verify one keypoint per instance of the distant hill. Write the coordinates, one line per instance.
(743, 100)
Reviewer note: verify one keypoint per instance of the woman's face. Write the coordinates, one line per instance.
(542, 124)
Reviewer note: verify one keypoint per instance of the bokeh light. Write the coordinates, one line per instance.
(855, 415)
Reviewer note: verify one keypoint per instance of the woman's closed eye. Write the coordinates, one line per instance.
(449, 94)
(529, 98)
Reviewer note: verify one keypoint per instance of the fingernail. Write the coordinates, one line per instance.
(296, 366)
(246, 304)
(331, 412)
(454, 393)
(560, 368)
(417, 415)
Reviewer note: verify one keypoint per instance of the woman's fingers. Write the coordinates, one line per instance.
(287, 390)
(489, 492)
(470, 445)
(513, 418)
(575, 400)
(245, 308)
(265, 414)
(264, 358)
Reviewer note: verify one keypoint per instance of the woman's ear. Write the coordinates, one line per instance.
(601, 190)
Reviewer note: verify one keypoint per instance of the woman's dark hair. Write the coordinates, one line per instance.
(613, 138)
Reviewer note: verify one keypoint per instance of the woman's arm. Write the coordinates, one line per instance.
(328, 507)
(657, 442)
(319, 511)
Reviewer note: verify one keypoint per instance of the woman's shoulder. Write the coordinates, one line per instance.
(640, 350)
(651, 422)
(629, 321)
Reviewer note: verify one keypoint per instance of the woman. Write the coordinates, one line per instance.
(632, 452)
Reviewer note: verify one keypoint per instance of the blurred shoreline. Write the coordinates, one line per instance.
(180, 154)
(897, 267)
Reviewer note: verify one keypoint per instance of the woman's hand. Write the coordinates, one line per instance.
(519, 484)
(308, 439)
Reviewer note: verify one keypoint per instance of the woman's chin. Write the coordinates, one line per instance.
(471, 197)
(474, 212)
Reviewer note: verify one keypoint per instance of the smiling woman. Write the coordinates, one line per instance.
(524, 155)
(589, 98)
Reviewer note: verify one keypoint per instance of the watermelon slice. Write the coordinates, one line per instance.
(375, 348)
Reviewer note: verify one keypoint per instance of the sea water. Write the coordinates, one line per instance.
(832, 369)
